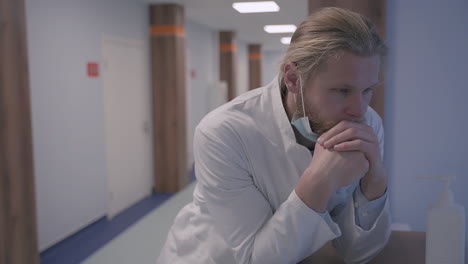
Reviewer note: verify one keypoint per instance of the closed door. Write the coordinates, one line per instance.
(127, 96)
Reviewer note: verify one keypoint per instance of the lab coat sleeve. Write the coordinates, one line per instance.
(366, 211)
(362, 239)
(243, 217)
(357, 245)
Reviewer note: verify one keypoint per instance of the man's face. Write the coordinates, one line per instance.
(341, 90)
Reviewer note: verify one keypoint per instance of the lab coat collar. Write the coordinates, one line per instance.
(281, 118)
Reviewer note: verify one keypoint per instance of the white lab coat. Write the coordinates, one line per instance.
(245, 209)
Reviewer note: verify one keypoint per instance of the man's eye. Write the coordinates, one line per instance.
(368, 90)
(344, 91)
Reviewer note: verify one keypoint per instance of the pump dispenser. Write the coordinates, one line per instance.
(445, 236)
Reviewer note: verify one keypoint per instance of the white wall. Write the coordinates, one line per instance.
(67, 106)
(270, 65)
(203, 60)
(425, 104)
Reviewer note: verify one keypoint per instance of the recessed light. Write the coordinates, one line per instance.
(286, 40)
(256, 7)
(280, 28)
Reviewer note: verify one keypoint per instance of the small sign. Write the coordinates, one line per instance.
(93, 69)
(193, 74)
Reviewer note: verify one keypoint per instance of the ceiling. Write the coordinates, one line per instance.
(219, 15)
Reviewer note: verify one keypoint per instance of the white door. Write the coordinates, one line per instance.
(128, 122)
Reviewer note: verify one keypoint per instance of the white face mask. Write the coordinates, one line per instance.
(302, 124)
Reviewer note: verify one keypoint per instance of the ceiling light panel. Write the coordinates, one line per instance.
(286, 40)
(256, 7)
(280, 28)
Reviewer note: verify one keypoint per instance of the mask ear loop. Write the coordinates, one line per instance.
(302, 96)
(305, 119)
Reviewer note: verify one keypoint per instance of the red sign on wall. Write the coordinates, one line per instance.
(193, 74)
(93, 69)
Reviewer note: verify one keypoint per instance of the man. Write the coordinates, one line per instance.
(285, 168)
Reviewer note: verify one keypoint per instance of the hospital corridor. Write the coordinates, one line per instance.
(233, 131)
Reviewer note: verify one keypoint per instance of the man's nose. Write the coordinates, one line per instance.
(357, 107)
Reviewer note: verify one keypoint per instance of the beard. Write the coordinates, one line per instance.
(318, 123)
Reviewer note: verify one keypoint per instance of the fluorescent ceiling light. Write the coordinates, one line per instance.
(280, 28)
(256, 7)
(286, 40)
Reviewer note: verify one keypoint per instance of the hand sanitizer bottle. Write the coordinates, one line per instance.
(445, 236)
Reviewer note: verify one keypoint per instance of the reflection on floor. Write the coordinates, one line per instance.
(141, 229)
(142, 242)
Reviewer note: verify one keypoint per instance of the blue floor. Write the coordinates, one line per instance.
(82, 244)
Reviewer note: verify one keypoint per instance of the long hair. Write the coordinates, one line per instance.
(328, 32)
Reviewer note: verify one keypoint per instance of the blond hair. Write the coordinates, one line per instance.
(328, 32)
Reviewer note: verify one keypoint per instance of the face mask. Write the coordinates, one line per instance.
(302, 124)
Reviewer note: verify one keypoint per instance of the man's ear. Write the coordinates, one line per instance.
(291, 78)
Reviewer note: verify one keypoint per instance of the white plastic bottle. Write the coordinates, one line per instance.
(445, 236)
